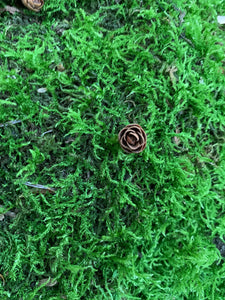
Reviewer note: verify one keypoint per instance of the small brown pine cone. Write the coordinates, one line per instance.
(34, 5)
(132, 138)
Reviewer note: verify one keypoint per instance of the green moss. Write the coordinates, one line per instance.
(118, 226)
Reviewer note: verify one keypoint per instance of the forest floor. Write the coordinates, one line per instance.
(80, 218)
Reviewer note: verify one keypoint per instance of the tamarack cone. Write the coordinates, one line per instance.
(132, 138)
(34, 5)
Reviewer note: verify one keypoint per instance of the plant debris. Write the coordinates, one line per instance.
(34, 5)
(11, 9)
(8, 213)
(42, 90)
(177, 139)
(3, 279)
(221, 20)
(40, 187)
(132, 138)
(48, 282)
(10, 123)
(172, 70)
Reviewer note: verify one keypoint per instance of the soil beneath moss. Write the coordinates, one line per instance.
(220, 245)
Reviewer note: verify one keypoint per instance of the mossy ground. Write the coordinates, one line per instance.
(119, 226)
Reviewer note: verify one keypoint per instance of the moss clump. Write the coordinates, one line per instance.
(117, 226)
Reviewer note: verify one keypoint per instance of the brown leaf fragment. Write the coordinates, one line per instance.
(176, 139)
(11, 9)
(60, 67)
(49, 282)
(3, 279)
(10, 214)
(172, 70)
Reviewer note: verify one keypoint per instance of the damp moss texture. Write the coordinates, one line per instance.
(105, 224)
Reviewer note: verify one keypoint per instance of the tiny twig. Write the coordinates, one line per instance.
(10, 123)
(187, 40)
(40, 186)
(49, 131)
